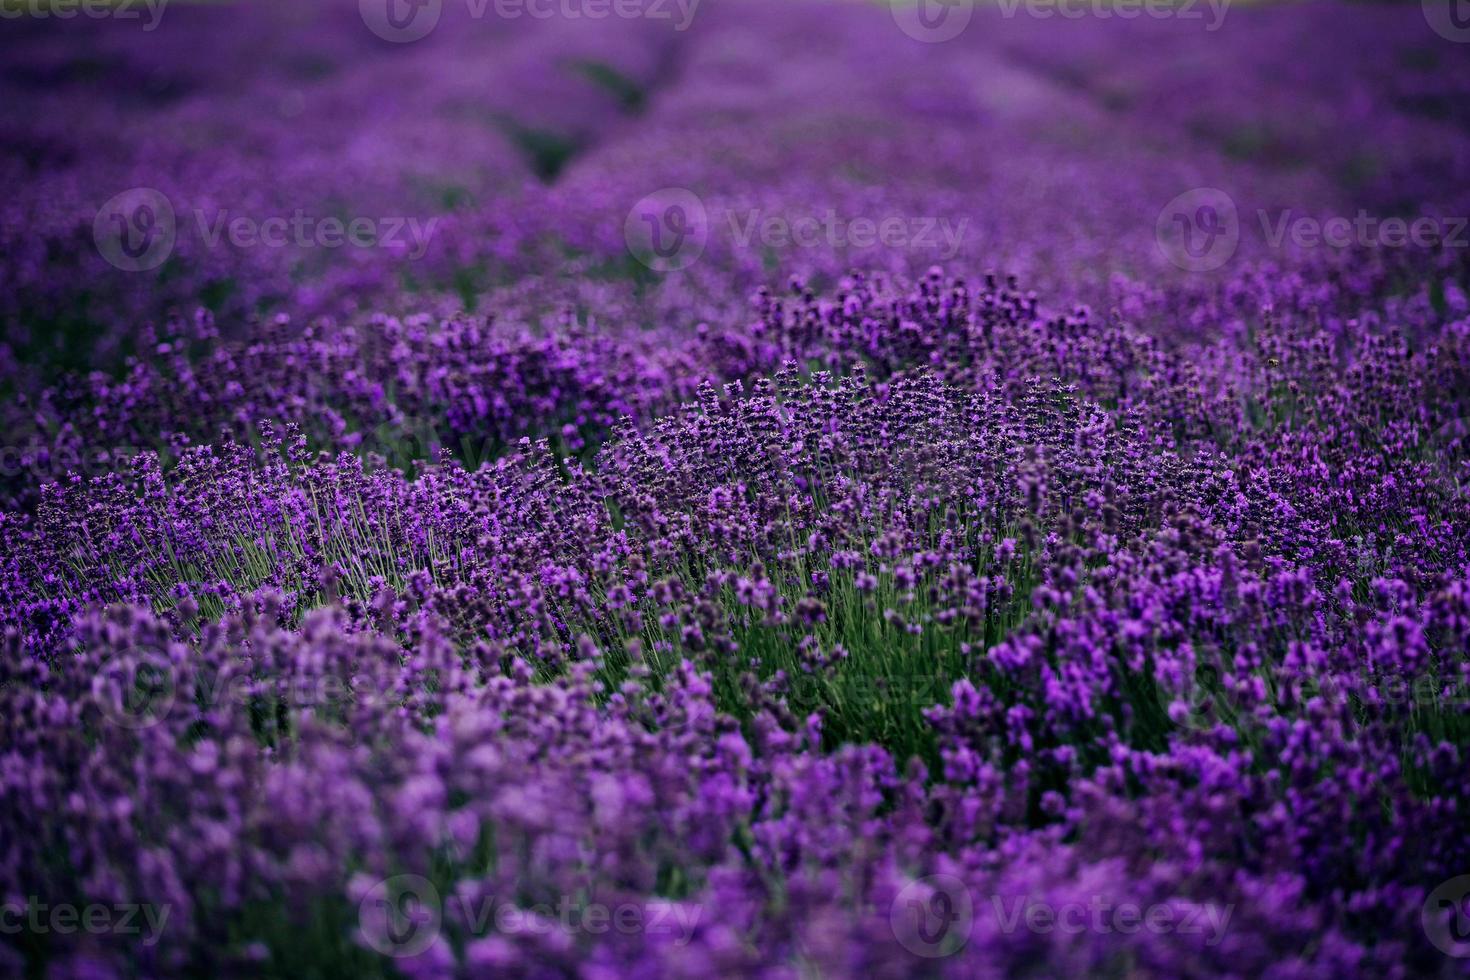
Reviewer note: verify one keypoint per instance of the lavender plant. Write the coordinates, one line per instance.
(1017, 602)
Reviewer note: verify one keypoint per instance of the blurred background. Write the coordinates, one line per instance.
(206, 197)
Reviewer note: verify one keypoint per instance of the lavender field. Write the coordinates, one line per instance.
(751, 488)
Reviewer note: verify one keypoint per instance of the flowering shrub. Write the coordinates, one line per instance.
(816, 608)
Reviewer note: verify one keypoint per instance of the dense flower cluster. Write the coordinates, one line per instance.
(816, 609)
